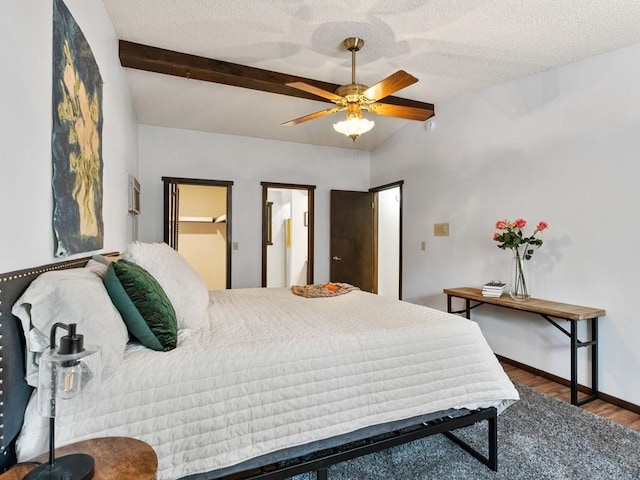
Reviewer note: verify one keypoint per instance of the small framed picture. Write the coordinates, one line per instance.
(134, 195)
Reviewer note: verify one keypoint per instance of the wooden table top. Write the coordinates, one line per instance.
(534, 305)
(116, 458)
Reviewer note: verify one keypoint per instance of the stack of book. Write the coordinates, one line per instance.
(493, 289)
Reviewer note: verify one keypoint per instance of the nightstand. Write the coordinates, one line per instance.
(116, 458)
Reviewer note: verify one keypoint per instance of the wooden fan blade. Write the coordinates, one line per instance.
(315, 90)
(410, 113)
(312, 116)
(391, 84)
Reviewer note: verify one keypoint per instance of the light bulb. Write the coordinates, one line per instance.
(68, 379)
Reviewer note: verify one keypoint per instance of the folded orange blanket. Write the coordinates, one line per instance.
(323, 290)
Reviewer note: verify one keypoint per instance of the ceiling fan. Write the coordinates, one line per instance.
(355, 97)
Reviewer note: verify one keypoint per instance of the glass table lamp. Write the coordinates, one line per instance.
(67, 377)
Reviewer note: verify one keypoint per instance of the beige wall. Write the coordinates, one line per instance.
(204, 243)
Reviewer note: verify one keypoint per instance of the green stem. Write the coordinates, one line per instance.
(520, 283)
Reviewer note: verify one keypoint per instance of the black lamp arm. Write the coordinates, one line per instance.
(55, 326)
(71, 343)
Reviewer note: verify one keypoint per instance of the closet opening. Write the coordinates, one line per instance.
(197, 223)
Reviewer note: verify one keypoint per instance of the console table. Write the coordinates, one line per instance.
(550, 311)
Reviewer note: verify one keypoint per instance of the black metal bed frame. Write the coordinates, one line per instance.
(14, 395)
(322, 460)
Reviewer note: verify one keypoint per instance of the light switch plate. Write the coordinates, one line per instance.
(440, 229)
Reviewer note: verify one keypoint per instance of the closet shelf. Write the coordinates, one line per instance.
(220, 219)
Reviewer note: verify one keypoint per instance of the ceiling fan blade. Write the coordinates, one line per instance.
(410, 113)
(313, 116)
(391, 84)
(314, 90)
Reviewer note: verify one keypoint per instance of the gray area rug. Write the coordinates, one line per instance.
(539, 437)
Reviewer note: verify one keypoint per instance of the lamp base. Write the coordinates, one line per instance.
(70, 467)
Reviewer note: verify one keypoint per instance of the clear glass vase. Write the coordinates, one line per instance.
(519, 289)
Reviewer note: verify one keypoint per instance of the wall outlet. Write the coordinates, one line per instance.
(234, 245)
(441, 229)
(423, 245)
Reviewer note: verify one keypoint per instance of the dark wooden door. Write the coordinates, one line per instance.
(352, 239)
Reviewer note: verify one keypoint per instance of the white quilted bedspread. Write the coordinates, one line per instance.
(274, 370)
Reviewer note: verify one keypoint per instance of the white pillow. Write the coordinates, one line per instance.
(100, 269)
(71, 296)
(186, 290)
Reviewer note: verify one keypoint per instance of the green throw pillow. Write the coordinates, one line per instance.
(143, 304)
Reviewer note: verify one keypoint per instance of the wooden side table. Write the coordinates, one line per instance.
(550, 311)
(116, 458)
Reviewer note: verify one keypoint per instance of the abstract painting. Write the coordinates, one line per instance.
(76, 139)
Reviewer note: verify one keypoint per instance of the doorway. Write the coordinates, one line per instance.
(287, 234)
(198, 225)
(366, 239)
(388, 238)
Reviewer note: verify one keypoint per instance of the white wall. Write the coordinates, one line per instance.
(247, 162)
(25, 129)
(389, 242)
(204, 244)
(276, 252)
(561, 146)
(287, 264)
(299, 234)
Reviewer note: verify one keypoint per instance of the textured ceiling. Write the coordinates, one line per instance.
(452, 46)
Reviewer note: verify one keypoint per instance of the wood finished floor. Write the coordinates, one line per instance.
(598, 407)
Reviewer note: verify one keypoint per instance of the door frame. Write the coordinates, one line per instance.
(203, 182)
(310, 225)
(389, 186)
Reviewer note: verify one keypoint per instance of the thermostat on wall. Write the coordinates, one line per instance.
(441, 229)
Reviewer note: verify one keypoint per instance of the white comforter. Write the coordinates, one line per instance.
(273, 370)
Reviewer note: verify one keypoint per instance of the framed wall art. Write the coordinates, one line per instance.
(76, 139)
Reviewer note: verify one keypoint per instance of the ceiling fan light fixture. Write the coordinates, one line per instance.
(355, 97)
(354, 125)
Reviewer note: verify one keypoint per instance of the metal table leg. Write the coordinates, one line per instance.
(574, 362)
(575, 344)
(594, 355)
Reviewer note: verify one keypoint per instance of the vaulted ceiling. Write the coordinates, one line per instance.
(453, 47)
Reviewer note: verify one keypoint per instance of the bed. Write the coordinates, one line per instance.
(266, 384)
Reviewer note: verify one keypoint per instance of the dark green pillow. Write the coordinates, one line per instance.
(143, 304)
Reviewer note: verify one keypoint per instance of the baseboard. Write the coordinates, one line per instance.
(563, 381)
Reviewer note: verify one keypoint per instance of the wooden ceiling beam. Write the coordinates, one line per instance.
(168, 62)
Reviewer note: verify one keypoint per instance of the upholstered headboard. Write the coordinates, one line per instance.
(14, 391)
